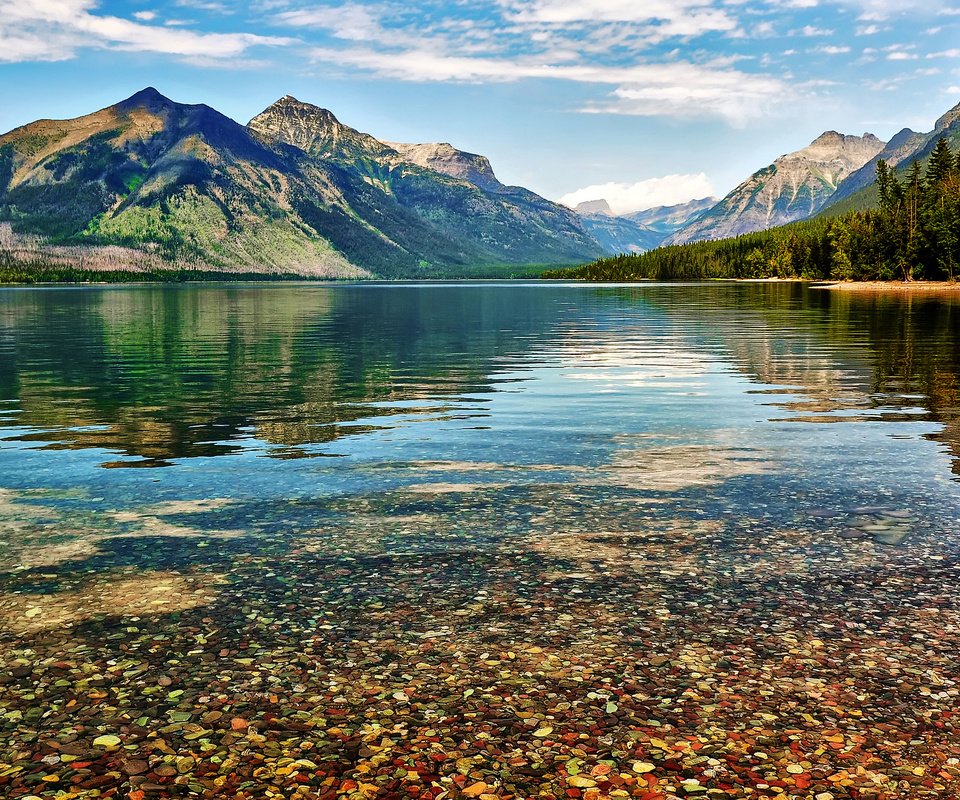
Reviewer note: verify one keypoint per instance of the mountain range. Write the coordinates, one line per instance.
(832, 175)
(858, 192)
(642, 230)
(149, 182)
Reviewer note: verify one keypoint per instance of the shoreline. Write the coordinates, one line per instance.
(890, 286)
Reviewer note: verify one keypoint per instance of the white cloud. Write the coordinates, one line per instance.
(693, 14)
(53, 30)
(349, 21)
(626, 198)
(675, 88)
(875, 10)
(879, 10)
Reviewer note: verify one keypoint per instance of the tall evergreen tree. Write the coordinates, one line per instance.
(910, 250)
(940, 208)
(942, 164)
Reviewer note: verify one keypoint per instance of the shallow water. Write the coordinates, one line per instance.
(310, 395)
(327, 474)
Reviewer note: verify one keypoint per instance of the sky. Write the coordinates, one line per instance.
(641, 102)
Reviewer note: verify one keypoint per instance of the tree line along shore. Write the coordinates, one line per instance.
(912, 235)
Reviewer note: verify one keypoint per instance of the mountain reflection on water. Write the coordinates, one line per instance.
(158, 374)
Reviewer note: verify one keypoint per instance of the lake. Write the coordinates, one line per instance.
(479, 540)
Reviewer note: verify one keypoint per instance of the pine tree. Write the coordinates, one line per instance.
(942, 164)
(911, 246)
(886, 186)
(940, 210)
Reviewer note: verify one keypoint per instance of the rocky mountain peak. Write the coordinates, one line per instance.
(794, 187)
(443, 157)
(839, 139)
(313, 129)
(900, 138)
(948, 119)
(848, 152)
(149, 99)
(295, 122)
(829, 137)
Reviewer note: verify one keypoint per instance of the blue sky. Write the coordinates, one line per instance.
(655, 101)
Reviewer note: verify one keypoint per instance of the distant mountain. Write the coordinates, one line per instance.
(858, 191)
(591, 207)
(640, 231)
(794, 187)
(620, 235)
(669, 219)
(149, 181)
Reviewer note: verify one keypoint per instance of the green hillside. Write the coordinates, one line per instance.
(149, 185)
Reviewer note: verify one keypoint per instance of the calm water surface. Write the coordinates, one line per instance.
(288, 404)
(253, 536)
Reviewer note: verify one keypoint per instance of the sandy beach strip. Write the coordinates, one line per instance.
(890, 286)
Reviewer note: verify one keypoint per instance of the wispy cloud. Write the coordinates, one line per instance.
(670, 17)
(54, 30)
(711, 59)
(351, 21)
(676, 88)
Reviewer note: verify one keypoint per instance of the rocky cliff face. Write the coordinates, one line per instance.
(949, 121)
(794, 187)
(446, 159)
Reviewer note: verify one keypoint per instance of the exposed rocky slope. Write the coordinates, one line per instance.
(490, 222)
(794, 187)
(858, 192)
(445, 158)
(295, 192)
